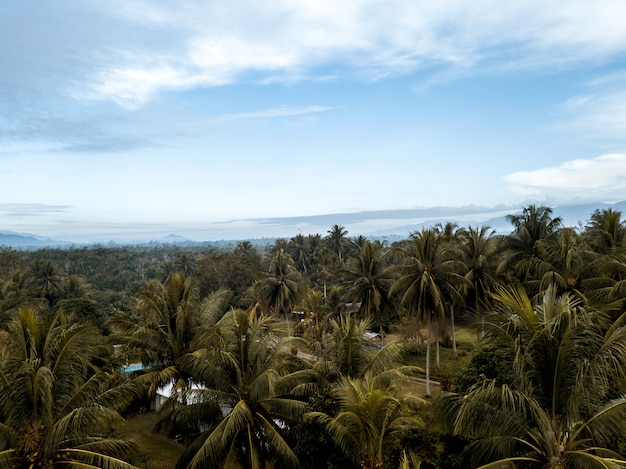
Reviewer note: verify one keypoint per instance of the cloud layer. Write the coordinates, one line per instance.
(601, 177)
(131, 50)
(214, 44)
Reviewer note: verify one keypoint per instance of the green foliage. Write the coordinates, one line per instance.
(535, 351)
(59, 397)
(248, 391)
(558, 411)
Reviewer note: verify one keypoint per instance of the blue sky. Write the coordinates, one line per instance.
(187, 116)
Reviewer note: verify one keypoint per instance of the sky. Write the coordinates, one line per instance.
(196, 117)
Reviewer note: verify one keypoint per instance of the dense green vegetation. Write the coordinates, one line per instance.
(323, 351)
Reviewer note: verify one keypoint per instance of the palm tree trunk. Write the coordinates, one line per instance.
(437, 362)
(428, 340)
(454, 351)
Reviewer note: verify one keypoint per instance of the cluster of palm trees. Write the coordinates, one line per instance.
(254, 387)
(243, 387)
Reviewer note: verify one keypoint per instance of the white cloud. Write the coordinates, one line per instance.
(27, 210)
(599, 178)
(211, 43)
(602, 113)
(282, 111)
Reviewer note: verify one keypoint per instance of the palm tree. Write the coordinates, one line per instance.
(299, 250)
(368, 283)
(479, 253)
(337, 240)
(371, 416)
(450, 241)
(569, 265)
(425, 277)
(186, 264)
(314, 323)
(606, 232)
(346, 351)
(75, 287)
(533, 225)
(58, 404)
(282, 288)
(170, 313)
(606, 235)
(13, 294)
(46, 279)
(246, 396)
(563, 409)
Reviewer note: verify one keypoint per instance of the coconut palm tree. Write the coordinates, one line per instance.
(522, 249)
(170, 314)
(337, 240)
(371, 415)
(46, 280)
(347, 353)
(59, 400)
(479, 253)
(368, 283)
(564, 408)
(606, 235)
(570, 266)
(299, 250)
(186, 264)
(426, 276)
(606, 232)
(314, 323)
(450, 242)
(282, 288)
(13, 294)
(246, 396)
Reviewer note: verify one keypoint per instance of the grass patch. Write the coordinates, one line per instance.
(155, 451)
(449, 366)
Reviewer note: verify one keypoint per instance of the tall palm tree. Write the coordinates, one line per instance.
(59, 401)
(246, 396)
(170, 314)
(569, 265)
(563, 410)
(299, 250)
(46, 280)
(371, 416)
(606, 231)
(337, 240)
(314, 323)
(450, 241)
(426, 276)
(606, 235)
(282, 288)
(186, 264)
(348, 353)
(479, 253)
(523, 257)
(368, 283)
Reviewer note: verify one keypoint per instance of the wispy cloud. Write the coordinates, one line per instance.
(599, 178)
(30, 210)
(602, 113)
(128, 53)
(282, 111)
(292, 38)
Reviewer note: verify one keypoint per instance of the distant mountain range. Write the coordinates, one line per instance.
(23, 240)
(386, 224)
